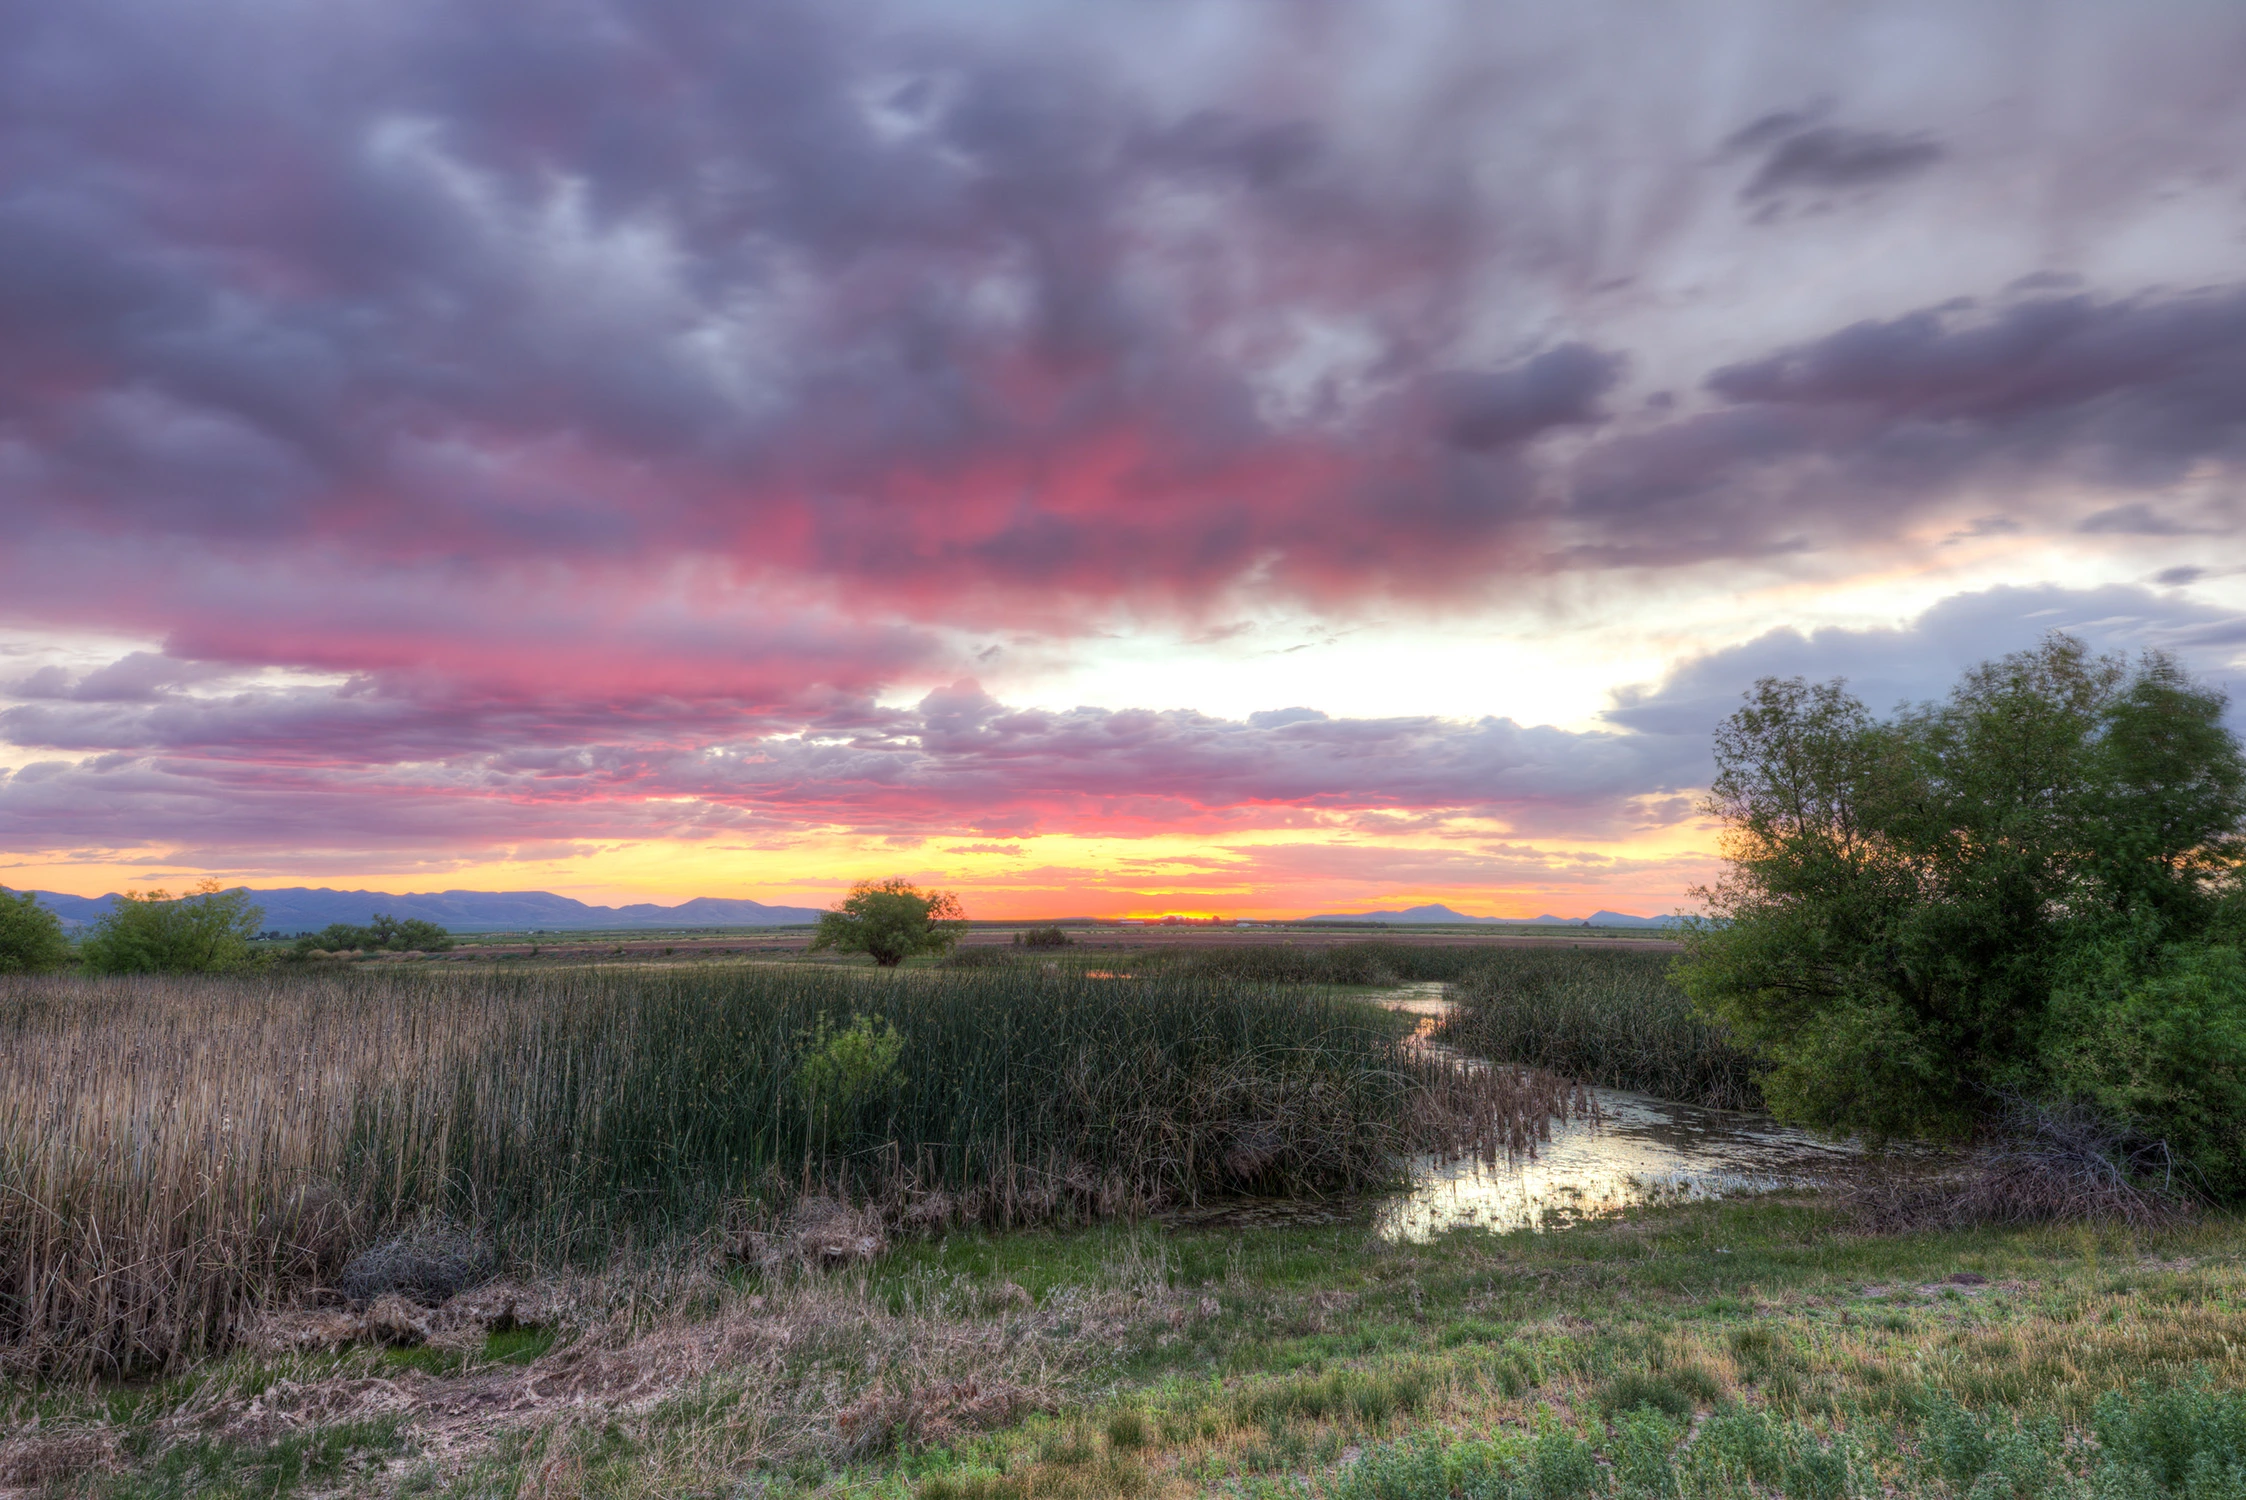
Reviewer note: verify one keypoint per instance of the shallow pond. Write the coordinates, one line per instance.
(1641, 1151)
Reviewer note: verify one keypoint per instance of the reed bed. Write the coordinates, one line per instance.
(175, 1153)
(1371, 962)
(1607, 1016)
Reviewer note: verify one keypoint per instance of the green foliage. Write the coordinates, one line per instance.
(207, 933)
(846, 1069)
(1907, 898)
(892, 920)
(2161, 1046)
(31, 940)
(1042, 937)
(1608, 1015)
(409, 935)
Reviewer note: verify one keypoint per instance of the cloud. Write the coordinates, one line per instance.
(1921, 660)
(960, 310)
(1905, 415)
(1804, 155)
(354, 766)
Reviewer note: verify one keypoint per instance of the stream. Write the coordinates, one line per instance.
(1641, 1151)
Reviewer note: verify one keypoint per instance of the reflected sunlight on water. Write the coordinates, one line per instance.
(1643, 1151)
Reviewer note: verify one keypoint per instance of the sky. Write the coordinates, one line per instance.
(1190, 456)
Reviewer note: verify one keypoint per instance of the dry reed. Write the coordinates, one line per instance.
(174, 1155)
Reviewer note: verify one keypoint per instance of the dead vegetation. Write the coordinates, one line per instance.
(2040, 1165)
(817, 1368)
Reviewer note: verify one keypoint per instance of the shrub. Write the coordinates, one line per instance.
(1042, 937)
(844, 1070)
(31, 940)
(206, 933)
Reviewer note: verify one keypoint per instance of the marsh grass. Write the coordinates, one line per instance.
(1367, 963)
(173, 1153)
(1606, 1016)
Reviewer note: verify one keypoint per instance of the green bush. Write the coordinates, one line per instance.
(207, 933)
(1042, 937)
(2164, 1054)
(846, 1069)
(31, 940)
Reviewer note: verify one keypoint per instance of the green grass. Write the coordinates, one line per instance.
(1604, 1015)
(1798, 1358)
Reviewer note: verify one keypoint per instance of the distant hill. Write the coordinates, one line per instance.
(1409, 914)
(1445, 914)
(298, 909)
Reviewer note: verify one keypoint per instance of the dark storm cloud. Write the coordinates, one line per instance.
(1889, 417)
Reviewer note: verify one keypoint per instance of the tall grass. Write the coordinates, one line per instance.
(1602, 1015)
(1371, 962)
(171, 1151)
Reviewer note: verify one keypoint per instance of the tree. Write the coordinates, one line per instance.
(892, 920)
(409, 935)
(157, 933)
(31, 939)
(1928, 915)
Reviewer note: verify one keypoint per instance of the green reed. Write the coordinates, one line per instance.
(164, 1144)
(1370, 962)
(1601, 1015)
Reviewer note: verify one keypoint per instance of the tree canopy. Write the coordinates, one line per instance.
(158, 933)
(2028, 890)
(891, 920)
(31, 937)
(391, 934)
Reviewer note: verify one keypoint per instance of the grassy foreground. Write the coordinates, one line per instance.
(1733, 1349)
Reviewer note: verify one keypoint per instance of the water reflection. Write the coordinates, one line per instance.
(1644, 1150)
(1640, 1150)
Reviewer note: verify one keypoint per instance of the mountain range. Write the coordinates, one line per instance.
(299, 909)
(1445, 914)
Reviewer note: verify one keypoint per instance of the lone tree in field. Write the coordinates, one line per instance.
(157, 933)
(2027, 892)
(31, 940)
(892, 920)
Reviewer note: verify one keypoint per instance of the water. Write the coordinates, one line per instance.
(1641, 1151)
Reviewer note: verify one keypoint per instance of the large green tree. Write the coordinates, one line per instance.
(1983, 899)
(892, 920)
(31, 938)
(157, 933)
